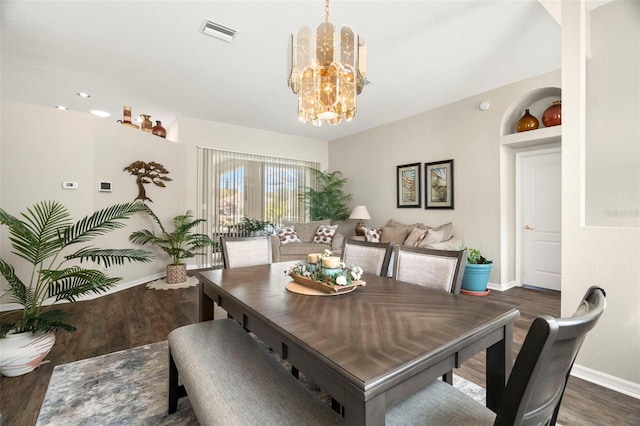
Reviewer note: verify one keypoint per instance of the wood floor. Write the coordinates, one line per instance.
(139, 316)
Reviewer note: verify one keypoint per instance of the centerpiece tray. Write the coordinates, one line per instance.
(326, 288)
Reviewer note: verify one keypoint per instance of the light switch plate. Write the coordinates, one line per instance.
(70, 185)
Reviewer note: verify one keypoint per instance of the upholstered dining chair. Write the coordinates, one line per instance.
(536, 384)
(373, 258)
(437, 269)
(245, 251)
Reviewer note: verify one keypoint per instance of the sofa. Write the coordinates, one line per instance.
(295, 240)
(414, 235)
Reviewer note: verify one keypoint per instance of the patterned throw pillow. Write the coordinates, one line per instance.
(287, 234)
(325, 233)
(372, 234)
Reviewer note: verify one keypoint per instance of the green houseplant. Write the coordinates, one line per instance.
(179, 244)
(328, 201)
(254, 227)
(43, 237)
(477, 271)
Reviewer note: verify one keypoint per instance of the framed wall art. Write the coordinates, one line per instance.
(408, 185)
(438, 190)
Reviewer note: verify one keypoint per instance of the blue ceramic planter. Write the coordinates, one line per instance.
(476, 276)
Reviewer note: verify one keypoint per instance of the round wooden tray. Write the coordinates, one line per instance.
(298, 288)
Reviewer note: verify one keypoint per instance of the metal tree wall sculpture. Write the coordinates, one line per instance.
(146, 173)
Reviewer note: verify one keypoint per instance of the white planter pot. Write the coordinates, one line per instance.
(21, 353)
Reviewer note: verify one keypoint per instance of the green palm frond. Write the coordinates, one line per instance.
(36, 238)
(81, 282)
(100, 222)
(43, 232)
(45, 322)
(108, 257)
(19, 292)
(144, 237)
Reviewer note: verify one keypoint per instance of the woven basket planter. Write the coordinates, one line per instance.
(176, 273)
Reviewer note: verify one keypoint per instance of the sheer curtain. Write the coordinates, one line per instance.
(233, 185)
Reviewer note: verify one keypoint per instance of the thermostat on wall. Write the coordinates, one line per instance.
(104, 186)
(70, 185)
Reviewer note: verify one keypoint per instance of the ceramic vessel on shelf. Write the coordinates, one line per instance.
(146, 124)
(552, 116)
(527, 122)
(126, 117)
(158, 130)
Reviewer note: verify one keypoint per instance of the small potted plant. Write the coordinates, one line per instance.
(179, 244)
(43, 237)
(254, 227)
(476, 272)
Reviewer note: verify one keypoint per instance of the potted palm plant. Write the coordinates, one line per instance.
(328, 201)
(179, 244)
(43, 238)
(476, 272)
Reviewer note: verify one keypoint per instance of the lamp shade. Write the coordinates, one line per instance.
(360, 212)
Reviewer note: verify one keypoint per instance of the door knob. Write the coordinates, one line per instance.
(528, 227)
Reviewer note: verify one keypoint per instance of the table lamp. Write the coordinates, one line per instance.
(360, 213)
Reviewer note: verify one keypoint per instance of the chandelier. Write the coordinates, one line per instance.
(327, 72)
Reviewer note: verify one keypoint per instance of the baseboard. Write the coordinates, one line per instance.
(501, 287)
(607, 381)
(119, 287)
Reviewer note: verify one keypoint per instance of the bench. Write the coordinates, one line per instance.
(231, 379)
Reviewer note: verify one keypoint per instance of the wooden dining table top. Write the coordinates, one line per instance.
(374, 337)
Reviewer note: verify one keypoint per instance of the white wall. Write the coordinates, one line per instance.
(604, 256)
(41, 147)
(458, 131)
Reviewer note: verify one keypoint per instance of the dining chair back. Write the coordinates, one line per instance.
(373, 258)
(245, 251)
(541, 371)
(536, 384)
(437, 269)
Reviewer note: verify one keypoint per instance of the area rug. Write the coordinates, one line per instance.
(130, 388)
(162, 284)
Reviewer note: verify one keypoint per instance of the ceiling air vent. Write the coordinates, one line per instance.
(217, 30)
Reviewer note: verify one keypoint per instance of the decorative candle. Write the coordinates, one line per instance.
(331, 262)
(313, 257)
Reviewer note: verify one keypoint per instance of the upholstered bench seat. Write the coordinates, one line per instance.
(232, 380)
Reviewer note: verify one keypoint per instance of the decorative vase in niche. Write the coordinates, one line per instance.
(552, 116)
(146, 124)
(126, 117)
(527, 122)
(158, 130)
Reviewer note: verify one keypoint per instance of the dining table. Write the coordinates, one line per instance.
(369, 348)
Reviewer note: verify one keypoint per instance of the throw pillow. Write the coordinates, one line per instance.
(372, 234)
(287, 235)
(394, 235)
(306, 231)
(431, 237)
(324, 234)
(447, 228)
(412, 239)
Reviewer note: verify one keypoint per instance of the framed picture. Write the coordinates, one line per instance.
(438, 191)
(408, 185)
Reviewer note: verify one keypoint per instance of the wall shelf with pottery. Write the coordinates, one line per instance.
(537, 102)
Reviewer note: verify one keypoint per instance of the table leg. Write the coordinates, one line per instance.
(205, 305)
(499, 361)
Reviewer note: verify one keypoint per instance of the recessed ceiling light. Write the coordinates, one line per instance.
(61, 107)
(83, 95)
(99, 113)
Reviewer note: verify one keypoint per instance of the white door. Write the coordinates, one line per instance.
(541, 196)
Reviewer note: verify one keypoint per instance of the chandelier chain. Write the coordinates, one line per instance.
(326, 11)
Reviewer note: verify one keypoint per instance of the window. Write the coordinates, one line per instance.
(234, 185)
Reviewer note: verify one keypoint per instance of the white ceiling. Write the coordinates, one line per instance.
(151, 55)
